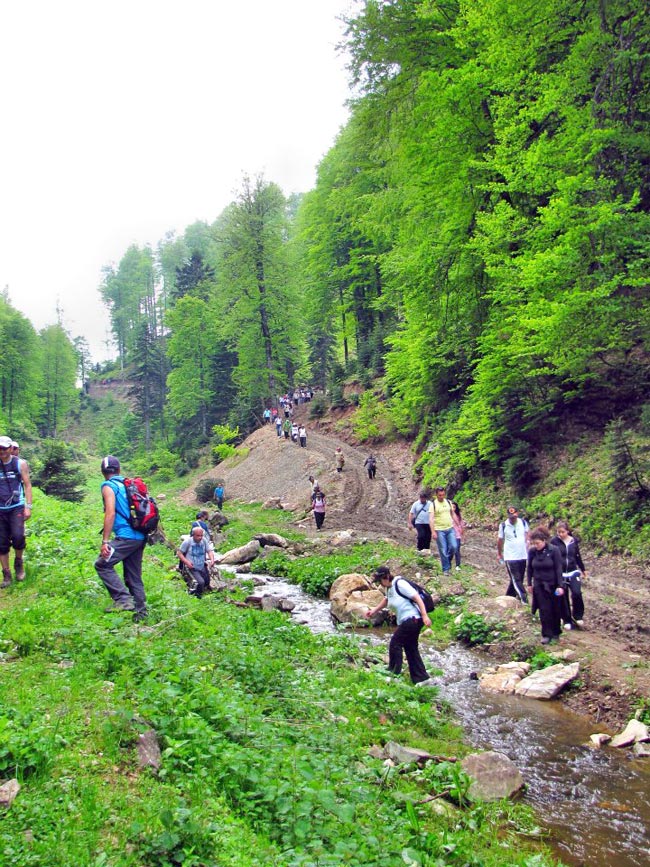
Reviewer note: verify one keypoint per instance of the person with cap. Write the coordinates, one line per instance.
(402, 598)
(419, 521)
(127, 546)
(15, 509)
(512, 549)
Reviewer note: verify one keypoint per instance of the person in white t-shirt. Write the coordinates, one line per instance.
(512, 549)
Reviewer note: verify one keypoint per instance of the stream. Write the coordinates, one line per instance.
(593, 804)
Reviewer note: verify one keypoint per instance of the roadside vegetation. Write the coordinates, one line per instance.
(264, 729)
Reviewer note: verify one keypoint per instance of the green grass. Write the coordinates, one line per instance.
(264, 728)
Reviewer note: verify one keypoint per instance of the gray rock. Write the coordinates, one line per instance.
(635, 732)
(598, 740)
(8, 792)
(503, 678)
(508, 602)
(244, 554)
(641, 751)
(493, 775)
(254, 600)
(273, 503)
(148, 750)
(351, 596)
(405, 755)
(277, 603)
(243, 569)
(272, 539)
(548, 682)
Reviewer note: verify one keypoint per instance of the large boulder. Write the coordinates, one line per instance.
(351, 596)
(273, 503)
(548, 682)
(405, 755)
(8, 792)
(503, 678)
(493, 776)
(244, 554)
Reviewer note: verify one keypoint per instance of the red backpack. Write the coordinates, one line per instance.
(143, 510)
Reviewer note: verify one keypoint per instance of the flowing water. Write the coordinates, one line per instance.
(594, 804)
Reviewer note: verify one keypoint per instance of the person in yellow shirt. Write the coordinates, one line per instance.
(442, 528)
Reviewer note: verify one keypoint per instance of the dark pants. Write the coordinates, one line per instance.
(550, 608)
(516, 573)
(199, 582)
(129, 553)
(319, 517)
(12, 530)
(303, 442)
(457, 553)
(372, 472)
(424, 536)
(575, 608)
(405, 638)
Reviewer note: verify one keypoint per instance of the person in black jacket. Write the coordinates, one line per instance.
(546, 583)
(573, 569)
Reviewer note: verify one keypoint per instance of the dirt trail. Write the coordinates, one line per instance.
(614, 646)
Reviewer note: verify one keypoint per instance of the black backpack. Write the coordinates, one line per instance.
(425, 596)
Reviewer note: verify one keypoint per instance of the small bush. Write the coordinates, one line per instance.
(473, 629)
(204, 491)
(318, 406)
(57, 476)
(223, 451)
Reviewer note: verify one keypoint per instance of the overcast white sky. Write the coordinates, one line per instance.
(123, 120)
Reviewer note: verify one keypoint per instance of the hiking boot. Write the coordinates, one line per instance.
(428, 682)
(545, 640)
(6, 579)
(139, 616)
(19, 570)
(117, 606)
(457, 568)
(568, 627)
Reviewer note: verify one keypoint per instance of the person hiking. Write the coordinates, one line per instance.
(127, 546)
(459, 530)
(573, 570)
(313, 482)
(318, 506)
(442, 529)
(286, 427)
(340, 459)
(294, 432)
(219, 495)
(202, 519)
(15, 509)
(278, 426)
(419, 520)
(370, 464)
(411, 616)
(193, 553)
(512, 549)
(544, 571)
(302, 436)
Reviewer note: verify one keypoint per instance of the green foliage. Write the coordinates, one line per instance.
(56, 475)
(318, 406)
(475, 629)
(223, 451)
(372, 420)
(541, 660)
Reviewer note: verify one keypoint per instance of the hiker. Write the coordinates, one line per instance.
(313, 482)
(218, 495)
(573, 569)
(512, 549)
(267, 416)
(459, 530)
(286, 427)
(15, 509)
(302, 436)
(201, 521)
(340, 459)
(278, 426)
(370, 464)
(294, 432)
(127, 546)
(411, 615)
(545, 580)
(318, 506)
(419, 520)
(193, 553)
(442, 529)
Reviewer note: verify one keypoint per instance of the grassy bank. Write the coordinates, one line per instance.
(264, 729)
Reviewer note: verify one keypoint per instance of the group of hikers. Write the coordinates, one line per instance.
(550, 570)
(297, 433)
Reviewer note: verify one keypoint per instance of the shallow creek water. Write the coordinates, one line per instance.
(593, 804)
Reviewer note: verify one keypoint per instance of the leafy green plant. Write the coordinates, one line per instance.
(474, 629)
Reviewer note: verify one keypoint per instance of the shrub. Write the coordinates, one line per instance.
(204, 490)
(318, 406)
(57, 476)
(474, 629)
